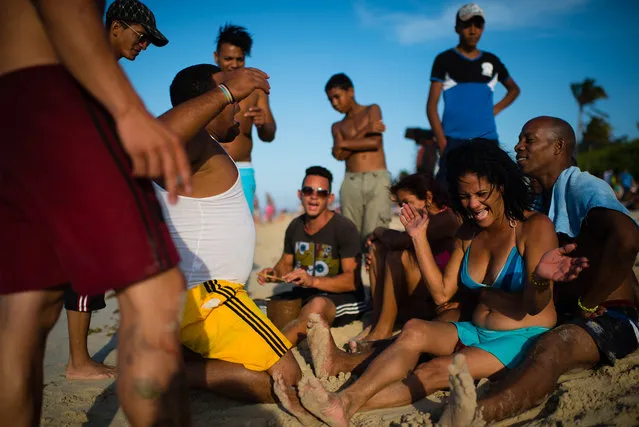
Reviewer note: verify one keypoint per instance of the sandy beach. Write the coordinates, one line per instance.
(605, 396)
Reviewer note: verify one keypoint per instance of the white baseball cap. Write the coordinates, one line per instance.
(469, 11)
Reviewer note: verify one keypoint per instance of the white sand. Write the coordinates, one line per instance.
(607, 396)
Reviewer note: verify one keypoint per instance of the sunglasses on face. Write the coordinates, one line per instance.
(321, 192)
(142, 38)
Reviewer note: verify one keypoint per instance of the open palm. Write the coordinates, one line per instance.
(558, 266)
(414, 223)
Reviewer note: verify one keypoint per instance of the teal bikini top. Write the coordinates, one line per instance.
(510, 278)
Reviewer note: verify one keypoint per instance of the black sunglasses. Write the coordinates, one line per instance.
(321, 192)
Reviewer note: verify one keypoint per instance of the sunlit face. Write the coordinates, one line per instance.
(229, 57)
(406, 197)
(316, 202)
(224, 127)
(482, 202)
(536, 148)
(131, 39)
(470, 31)
(341, 99)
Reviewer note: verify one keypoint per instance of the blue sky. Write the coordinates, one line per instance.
(387, 49)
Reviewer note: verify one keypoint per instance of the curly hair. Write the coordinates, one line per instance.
(418, 184)
(236, 36)
(485, 159)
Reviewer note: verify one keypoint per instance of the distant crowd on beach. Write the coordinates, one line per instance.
(513, 270)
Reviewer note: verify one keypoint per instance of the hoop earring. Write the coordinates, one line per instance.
(512, 222)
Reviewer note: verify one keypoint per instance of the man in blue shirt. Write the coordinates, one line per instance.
(467, 77)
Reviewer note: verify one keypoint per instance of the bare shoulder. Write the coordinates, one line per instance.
(374, 108)
(536, 222)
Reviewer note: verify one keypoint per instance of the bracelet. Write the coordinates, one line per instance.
(227, 93)
(538, 282)
(584, 308)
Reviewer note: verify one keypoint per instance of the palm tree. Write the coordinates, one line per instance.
(586, 93)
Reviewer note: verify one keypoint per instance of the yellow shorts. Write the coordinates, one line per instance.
(220, 321)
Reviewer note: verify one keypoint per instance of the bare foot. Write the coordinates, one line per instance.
(359, 337)
(323, 348)
(91, 370)
(326, 406)
(462, 404)
(291, 403)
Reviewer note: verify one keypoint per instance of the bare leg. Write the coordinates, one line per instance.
(392, 365)
(328, 360)
(462, 404)
(25, 321)
(564, 348)
(81, 366)
(151, 384)
(229, 379)
(295, 331)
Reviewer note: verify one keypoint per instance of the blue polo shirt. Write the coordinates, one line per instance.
(468, 90)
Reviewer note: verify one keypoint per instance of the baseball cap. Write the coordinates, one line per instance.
(136, 11)
(469, 11)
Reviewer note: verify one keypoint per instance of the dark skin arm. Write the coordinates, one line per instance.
(281, 268)
(262, 117)
(617, 238)
(433, 116)
(367, 139)
(512, 92)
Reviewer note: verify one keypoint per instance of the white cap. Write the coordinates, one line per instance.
(469, 11)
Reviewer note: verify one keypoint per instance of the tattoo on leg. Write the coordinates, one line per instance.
(147, 388)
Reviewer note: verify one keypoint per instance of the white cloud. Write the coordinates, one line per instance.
(501, 15)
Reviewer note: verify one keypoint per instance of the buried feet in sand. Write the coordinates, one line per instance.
(89, 370)
(326, 406)
(328, 360)
(289, 400)
(461, 410)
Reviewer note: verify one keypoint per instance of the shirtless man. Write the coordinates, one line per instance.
(357, 139)
(233, 45)
(75, 207)
(131, 28)
(600, 307)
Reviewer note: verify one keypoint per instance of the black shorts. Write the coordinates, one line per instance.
(85, 303)
(616, 332)
(349, 306)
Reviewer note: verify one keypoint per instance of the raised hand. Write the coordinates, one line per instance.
(257, 114)
(155, 151)
(415, 223)
(557, 266)
(243, 81)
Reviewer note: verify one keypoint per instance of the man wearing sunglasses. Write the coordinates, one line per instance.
(131, 27)
(467, 78)
(321, 259)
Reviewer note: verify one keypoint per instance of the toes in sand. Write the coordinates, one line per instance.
(462, 404)
(321, 345)
(90, 371)
(326, 406)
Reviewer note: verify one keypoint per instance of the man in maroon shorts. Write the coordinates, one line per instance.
(76, 206)
(131, 28)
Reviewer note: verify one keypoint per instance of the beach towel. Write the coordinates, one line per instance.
(574, 194)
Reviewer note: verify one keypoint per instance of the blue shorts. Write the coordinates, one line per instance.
(510, 347)
(247, 175)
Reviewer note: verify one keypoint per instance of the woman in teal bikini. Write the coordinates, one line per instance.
(505, 252)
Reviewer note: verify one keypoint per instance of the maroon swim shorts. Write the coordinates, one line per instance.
(70, 210)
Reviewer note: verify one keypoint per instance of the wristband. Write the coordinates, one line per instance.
(586, 309)
(227, 93)
(538, 282)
